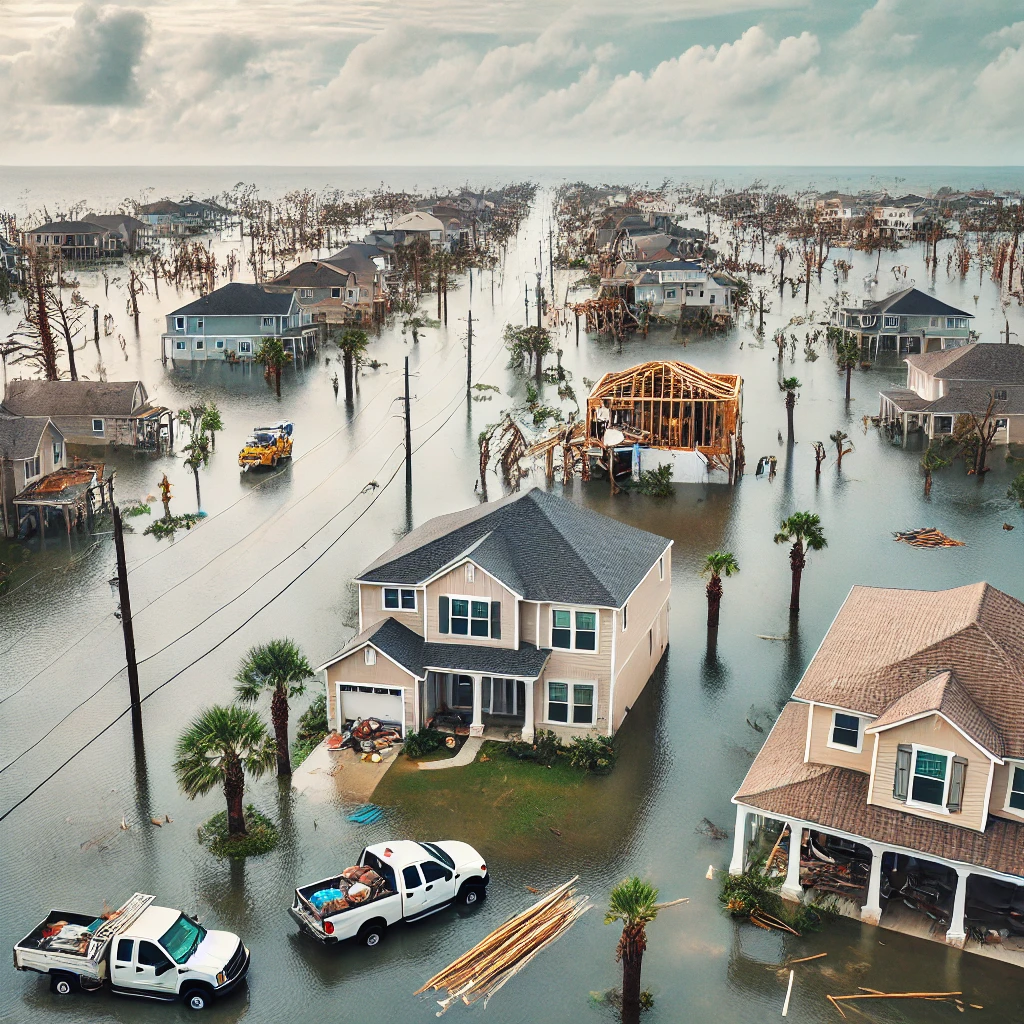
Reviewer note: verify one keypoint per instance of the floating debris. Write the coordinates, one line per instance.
(927, 537)
(708, 828)
(366, 815)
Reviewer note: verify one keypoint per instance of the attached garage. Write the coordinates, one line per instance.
(385, 703)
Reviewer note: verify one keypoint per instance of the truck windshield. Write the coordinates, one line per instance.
(181, 939)
(435, 851)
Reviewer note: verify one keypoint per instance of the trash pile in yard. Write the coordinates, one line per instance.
(927, 537)
(356, 885)
(368, 735)
(479, 973)
(842, 878)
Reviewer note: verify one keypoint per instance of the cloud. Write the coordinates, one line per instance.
(93, 62)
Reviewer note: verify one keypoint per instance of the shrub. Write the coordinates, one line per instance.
(544, 750)
(261, 836)
(593, 754)
(656, 483)
(426, 741)
(311, 730)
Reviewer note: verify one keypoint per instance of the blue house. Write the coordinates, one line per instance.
(230, 323)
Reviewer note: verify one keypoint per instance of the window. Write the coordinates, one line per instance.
(335, 293)
(433, 872)
(462, 692)
(571, 703)
(305, 293)
(661, 568)
(1015, 795)
(892, 321)
(845, 731)
(125, 948)
(179, 346)
(999, 395)
(245, 346)
(199, 324)
(268, 321)
(573, 630)
(943, 424)
(199, 344)
(411, 877)
(625, 612)
(369, 656)
(928, 785)
(31, 468)
(650, 642)
(97, 426)
(470, 617)
(219, 343)
(58, 450)
(396, 598)
(711, 298)
(150, 955)
(956, 322)
(470, 572)
(179, 323)
(670, 293)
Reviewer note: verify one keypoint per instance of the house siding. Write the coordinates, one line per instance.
(645, 606)
(353, 669)
(634, 675)
(483, 586)
(1000, 784)
(371, 606)
(932, 732)
(819, 752)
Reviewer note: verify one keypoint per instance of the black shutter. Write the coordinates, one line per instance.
(956, 784)
(495, 620)
(442, 615)
(901, 780)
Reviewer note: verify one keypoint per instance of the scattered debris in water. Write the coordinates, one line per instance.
(927, 537)
(708, 828)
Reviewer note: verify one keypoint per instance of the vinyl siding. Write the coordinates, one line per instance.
(932, 732)
(645, 607)
(821, 753)
(1000, 784)
(483, 586)
(371, 606)
(353, 669)
(634, 675)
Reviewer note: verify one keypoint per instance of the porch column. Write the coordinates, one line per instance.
(739, 842)
(871, 912)
(477, 728)
(791, 889)
(957, 933)
(528, 714)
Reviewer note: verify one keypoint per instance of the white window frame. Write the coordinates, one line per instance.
(305, 293)
(100, 430)
(469, 634)
(401, 592)
(1015, 766)
(58, 451)
(570, 702)
(845, 746)
(219, 343)
(179, 323)
(369, 656)
(35, 464)
(572, 629)
(199, 344)
(245, 346)
(200, 324)
(267, 321)
(890, 321)
(661, 568)
(470, 572)
(180, 346)
(923, 805)
(335, 293)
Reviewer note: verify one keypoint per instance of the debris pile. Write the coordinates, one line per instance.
(357, 884)
(479, 973)
(927, 537)
(368, 735)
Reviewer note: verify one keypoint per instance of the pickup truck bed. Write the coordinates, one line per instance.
(34, 953)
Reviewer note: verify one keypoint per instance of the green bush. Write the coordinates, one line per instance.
(544, 750)
(426, 741)
(160, 528)
(311, 730)
(593, 754)
(261, 836)
(656, 483)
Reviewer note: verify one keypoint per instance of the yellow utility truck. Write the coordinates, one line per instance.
(266, 446)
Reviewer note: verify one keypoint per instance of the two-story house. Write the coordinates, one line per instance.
(524, 613)
(669, 285)
(908, 320)
(368, 266)
(957, 382)
(326, 292)
(418, 224)
(230, 323)
(30, 448)
(74, 240)
(903, 746)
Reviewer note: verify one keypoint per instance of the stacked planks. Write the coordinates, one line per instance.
(927, 537)
(479, 973)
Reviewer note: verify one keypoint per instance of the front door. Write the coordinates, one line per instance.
(439, 884)
(414, 893)
(122, 963)
(155, 971)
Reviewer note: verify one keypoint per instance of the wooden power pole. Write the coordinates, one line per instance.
(126, 622)
(408, 431)
(469, 358)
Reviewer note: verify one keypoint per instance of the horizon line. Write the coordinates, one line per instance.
(428, 166)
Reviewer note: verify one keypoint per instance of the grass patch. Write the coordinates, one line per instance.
(262, 836)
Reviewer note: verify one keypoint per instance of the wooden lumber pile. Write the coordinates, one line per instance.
(872, 993)
(492, 962)
(927, 537)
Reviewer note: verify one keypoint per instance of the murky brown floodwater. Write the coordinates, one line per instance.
(201, 601)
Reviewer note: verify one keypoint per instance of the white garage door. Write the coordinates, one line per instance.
(380, 702)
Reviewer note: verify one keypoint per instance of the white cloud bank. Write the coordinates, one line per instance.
(121, 84)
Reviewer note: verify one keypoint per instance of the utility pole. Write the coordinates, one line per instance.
(539, 294)
(526, 300)
(469, 357)
(126, 623)
(551, 261)
(408, 431)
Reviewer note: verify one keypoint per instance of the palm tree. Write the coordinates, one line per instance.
(278, 666)
(839, 439)
(272, 355)
(219, 748)
(212, 422)
(789, 385)
(819, 457)
(353, 344)
(804, 530)
(847, 357)
(717, 565)
(634, 902)
(931, 460)
(197, 454)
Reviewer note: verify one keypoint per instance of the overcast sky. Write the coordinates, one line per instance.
(514, 81)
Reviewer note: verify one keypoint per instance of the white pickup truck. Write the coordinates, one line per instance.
(419, 879)
(141, 950)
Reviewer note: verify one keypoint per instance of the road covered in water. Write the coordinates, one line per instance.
(275, 557)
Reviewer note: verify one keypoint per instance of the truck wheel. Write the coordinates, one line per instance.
(64, 984)
(273, 462)
(471, 894)
(196, 998)
(370, 935)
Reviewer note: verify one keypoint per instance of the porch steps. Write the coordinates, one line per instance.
(467, 755)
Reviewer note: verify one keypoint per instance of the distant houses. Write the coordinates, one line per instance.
(230, 323)
(908, 320)
(958, 382)
(187, 217)
(670, 285)
(77, 241)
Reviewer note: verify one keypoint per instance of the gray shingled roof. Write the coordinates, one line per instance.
(65, 226)
(312, 274)
(910, 302)
(238, 299)
(544, 547)
(995, 363)
(20, 435)
(70, 397)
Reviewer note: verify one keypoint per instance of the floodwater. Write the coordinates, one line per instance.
(275, 556)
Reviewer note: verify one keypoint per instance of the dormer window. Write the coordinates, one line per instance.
(470, 572)
(369, 656)
(845, 732)
(1015, 793)
(399, 598)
